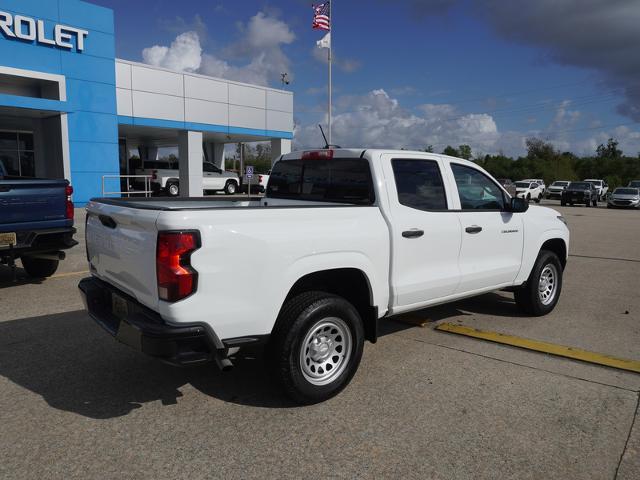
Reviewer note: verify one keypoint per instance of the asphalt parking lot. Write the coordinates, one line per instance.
(424, 404)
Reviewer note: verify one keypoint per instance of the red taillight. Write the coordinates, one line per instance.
(176, 278)
(318, 155)
(154, 175)
(259, 178)
(68, 214)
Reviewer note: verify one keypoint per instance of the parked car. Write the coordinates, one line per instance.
(346, 237)
(556, 188)
(508, 185)
(529, 190)
(580, 192)
(168, 179)
(601, 187)
(258, 182)
(36, 223)
(634, 184)
(539, 181)
(624, 197)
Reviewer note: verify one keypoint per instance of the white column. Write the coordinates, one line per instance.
(190, 154)
(279, 146)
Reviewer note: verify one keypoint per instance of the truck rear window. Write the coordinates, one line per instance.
(343, 180)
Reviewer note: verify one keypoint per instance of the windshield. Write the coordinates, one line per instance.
(559, 184)
(635, 183)
(580, 185)
(522, 184)
(597, 183)
(626, 191)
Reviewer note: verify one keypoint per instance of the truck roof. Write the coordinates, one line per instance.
(360, 153)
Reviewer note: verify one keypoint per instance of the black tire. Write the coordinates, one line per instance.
(595, 202)
(39, 267)
(296, 322)
(563, 203)
(528, 197)
(231, 188)
(588, 203)
(173, 189)
(538, 199)
(528, 296)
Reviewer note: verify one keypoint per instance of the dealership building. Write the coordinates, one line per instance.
(70, 109)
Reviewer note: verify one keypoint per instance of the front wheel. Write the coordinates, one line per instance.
(595, 202)
(540, 294)
(173, 189)
(39, 267)
(538, 199)
(316, 346)
(231, 188)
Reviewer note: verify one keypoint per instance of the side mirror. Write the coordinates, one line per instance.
(518, 205)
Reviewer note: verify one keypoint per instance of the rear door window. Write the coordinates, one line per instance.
(419, 184)
(344, 180)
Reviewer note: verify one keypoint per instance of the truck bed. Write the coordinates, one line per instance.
(204, 203)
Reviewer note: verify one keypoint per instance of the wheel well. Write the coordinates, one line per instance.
(349, 283)
(557, 246)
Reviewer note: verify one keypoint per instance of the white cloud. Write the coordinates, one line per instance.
(257, 56)
(184, 54)
(378, 120)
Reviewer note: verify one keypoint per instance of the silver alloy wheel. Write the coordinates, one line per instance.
(325, 351)
(548, 284)
(174, 189)
(231, 188)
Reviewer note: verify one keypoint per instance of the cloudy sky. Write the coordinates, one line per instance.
(410, 73)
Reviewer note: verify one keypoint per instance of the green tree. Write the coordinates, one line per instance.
(464, 151)
(429, 149)
(610, 150)
(452, 152)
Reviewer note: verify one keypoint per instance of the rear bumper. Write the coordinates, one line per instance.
(145, 331)
(41, 241)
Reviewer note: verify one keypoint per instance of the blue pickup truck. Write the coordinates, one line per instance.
(36, 223)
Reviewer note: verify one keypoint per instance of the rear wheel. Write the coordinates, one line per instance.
(39, 267)
(540, 294)
(316, 346)
(173, 189)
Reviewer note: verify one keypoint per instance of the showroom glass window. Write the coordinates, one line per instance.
(16, 153)
(419, 184)
(476, 190)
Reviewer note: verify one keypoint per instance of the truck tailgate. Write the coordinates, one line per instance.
(26, 201)
(121, 248)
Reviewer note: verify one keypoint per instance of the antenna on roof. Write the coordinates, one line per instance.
(326, 143)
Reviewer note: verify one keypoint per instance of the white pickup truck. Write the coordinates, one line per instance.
(346, 237)
(166, 176)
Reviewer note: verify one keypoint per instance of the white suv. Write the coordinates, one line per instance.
(529, 190)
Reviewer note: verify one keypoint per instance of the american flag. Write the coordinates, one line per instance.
(322, 16)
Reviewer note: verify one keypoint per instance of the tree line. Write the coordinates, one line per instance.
(543, 160)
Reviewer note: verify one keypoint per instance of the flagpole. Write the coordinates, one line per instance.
(330, 87)
(330, 62)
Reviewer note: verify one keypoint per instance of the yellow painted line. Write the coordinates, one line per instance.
(544, 347)
(70, 274)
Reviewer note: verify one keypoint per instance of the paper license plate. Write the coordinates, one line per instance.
(7, 239)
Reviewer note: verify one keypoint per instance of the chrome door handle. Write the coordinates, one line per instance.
(473, 229)
(413, 233)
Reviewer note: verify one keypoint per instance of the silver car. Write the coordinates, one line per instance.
(624, 197)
